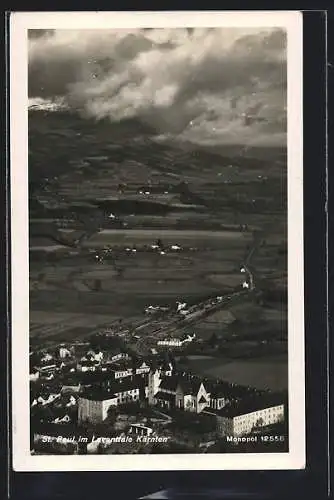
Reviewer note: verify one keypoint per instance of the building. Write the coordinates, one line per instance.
(188, 338)
(140, 430)
(64, 352)
(177, 391)
(93, 406)
(224, 425)
(94, 356)
(87, 365)
(48, 399)
(243, 417)
(71, 386)
(164, 400)
(176, 342)
(218, 398)
(172, 342)
(66, 419)
(47, 370)
(120, 369)
(142, 368)
(34, 375)
(166, 369)
(119, 354)
(71, 402)
(243, 424)
(46, 358)
(191, 395)
(154, 379)
(165, 393)
(126, 390)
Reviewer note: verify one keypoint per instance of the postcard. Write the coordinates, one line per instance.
(157, 241)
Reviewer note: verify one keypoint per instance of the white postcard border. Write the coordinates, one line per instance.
(20, 22)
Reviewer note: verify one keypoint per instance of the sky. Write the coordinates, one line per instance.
(209, 86)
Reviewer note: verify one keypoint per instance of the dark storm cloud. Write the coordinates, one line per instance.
(203, 85)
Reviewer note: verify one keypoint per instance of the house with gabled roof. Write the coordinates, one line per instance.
(141, 368)
(165, 392)
(118, 353)
(120, 369)
(191, 395)
(218, 398)
(186, 393)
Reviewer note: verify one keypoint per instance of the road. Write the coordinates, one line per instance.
(173, 324)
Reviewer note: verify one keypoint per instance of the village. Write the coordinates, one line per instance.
(102, 396)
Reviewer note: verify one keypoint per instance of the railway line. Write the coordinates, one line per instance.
(176, 325)
(169, 323)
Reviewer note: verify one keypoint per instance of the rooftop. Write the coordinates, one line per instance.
(97, 395)
(251, 405)
(121, 364)
(169, 383)
(88, 362)
(188, 385)
(126, 384)
(164, 396)
(218, 392)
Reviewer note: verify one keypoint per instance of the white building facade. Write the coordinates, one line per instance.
(243, 424)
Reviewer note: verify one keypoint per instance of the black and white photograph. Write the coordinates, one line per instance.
(157, 295)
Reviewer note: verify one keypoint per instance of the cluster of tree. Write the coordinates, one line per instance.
(186, 421)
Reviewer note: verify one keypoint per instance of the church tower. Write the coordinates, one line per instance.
(154, 379)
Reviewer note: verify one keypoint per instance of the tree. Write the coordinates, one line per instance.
(259, 423)
(112, 414)
(189, 404)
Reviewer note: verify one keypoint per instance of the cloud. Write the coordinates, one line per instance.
(208, 86)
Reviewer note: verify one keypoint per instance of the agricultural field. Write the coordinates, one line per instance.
(257, 372)
(120, 196)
